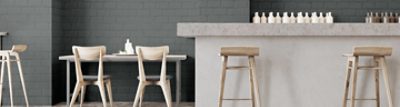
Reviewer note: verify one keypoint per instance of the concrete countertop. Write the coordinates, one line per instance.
(191, 30)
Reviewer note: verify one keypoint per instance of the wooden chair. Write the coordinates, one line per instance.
(163, 80)
(353, 67)
(101, 80)
(249, 52)
(6, 58)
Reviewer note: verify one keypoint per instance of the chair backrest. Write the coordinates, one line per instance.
(240, 51)
(372, 51)
(19, 48)
(88, 53)
(152, 53)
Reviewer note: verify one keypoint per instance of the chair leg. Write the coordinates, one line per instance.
(138, 92)
(21, 75)
(108, 84)
(141, 97)
(2, 78)
(354, 81)
(102, 93)
(75, 94)
(222, 81)
(377, 94)
(165, 86)
(347, 83)
(386, 81)
(256, 92)
(83, 91)
(10, 80)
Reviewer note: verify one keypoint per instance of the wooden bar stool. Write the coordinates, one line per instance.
(6, 58)
(378, 54)
(249, 52)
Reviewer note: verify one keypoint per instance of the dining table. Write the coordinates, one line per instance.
(126, 58)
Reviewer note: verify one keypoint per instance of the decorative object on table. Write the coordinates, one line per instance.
(329, 18)
(1, 39)
(300, 18)
(307, 18)
(263, 18)
(128, 47)
(383, 17)
(256, 18)
(6, 56)
(163, 80)
(278, 18)
(396, 17)
(379, 65)
(314, 17)
(368, 18)
(285, 18)
(292, 18)
(271, 18)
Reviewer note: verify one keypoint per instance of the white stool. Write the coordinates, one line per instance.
(6, 58)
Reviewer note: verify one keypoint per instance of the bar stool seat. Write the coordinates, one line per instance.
(250, 53)
(379, 66)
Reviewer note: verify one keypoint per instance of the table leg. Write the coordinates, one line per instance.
(68, 83)
(178, 83)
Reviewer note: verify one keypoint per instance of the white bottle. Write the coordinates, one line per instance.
(307, 18)
(292, 18)
(314, 18)
(321, 18)
(128, 47)
(329, 18)
(256, 18)
(278, 18)
(300, 18)
(271, 18)
(285, 18)
(263, 18)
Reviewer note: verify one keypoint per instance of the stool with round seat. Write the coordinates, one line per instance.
(379, 66)
(249, 52)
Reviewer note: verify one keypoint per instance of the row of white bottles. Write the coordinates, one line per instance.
(293, 19)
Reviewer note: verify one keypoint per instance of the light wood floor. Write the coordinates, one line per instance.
(128, 104)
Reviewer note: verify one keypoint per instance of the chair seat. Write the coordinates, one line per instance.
(94, 77)
(155, 77)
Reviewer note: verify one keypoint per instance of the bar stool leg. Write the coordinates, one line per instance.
(10, 79)
(251, 83)
(386, 80)
(256, 92)
(377, 90)
(2, 78)
(21, 76)
(354, 81)
(347, 82)
(222, 82)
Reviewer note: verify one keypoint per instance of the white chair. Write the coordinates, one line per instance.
(6, 58)
(153, 54)
(101, 80)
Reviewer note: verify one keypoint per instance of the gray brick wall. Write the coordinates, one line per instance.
(342, 10)
(146, 22)
(29, 22)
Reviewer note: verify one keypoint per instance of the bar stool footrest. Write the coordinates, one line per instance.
(236, 99)
(364, 99)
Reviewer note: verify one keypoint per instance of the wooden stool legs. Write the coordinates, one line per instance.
(254, 92)
(352, 73)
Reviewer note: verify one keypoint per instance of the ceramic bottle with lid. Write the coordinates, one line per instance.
(128, 47)
(285, 18)
(292, 18)
(385, 18)
(263, 18)
(321, 18)
(271, 18)
(307, 18)
(329, 17)
(278, 18)
(300, 18)
(256, 18)
(314, 18)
